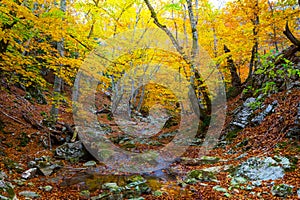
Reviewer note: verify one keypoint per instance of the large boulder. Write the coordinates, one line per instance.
(256, 168)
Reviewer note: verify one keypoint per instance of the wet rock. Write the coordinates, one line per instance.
(69, 151)
(282, 190)
(260, 169)
(137, 186)
(29, 194)
(29, 173)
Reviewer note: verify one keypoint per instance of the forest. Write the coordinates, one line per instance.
(143, 99)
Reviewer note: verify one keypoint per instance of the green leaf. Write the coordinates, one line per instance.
(173, 6)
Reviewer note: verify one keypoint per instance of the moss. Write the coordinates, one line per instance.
(24, 139)
(232, 134)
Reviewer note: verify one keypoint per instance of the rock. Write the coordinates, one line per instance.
(139, 198)
(100, 196)
(241, 156)
(199, 161)
(202, 175)
(137, 185)
(48, 170)
(8, 188)
(20, 182)
(261, 116)
(85, 194)
(217, 169)
(227, 195)
(30, 184)
(243, 113)
(282, 190)
(69, 151)
(32, 164)
(260, 169)
(298, 193)
(256, 183)
(90, 163)
(112, 187)
(47, 188)
(283, 161)
(209, 159)
(190, 181)
(29, 194)
(29, 173)
(219, 188)
(237, 181)
(2, 175)
(249, 101)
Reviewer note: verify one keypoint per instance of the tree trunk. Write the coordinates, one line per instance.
(57, 80)
(273, 27)
(235, 78)
(196, 80)
(254, 52)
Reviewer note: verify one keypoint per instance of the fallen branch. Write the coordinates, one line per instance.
(4, 113)
(31, 121)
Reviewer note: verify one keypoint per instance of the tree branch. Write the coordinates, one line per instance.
(178, 48)
(290, 35)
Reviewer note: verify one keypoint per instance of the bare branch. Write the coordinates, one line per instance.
(179, 49)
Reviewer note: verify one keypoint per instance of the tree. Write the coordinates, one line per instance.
(58, 80)
(199, 87)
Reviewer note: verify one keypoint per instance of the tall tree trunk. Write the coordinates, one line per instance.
(199, 87)
(273, 27)
(57, 80)
(254, 52)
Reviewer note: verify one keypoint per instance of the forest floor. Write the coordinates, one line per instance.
(20, 143)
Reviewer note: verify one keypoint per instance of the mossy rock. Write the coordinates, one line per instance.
(202, 175)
